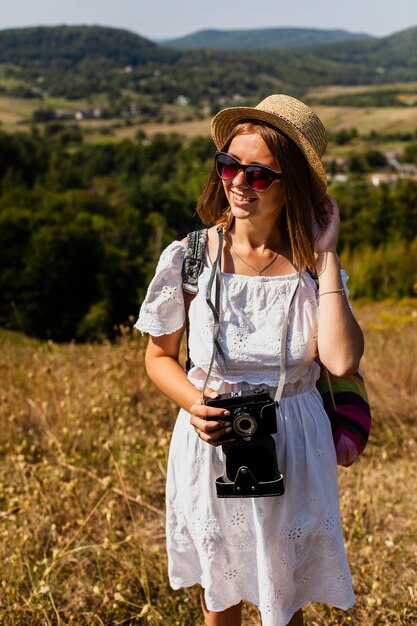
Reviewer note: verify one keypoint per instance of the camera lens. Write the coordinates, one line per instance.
(244, 424)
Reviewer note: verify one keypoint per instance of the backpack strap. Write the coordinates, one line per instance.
(191, 269)
(314, 277)
(193, 260)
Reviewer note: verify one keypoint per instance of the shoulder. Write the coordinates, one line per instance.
(196, 243)
(175, 247)
(171, 258)
(212, 233)
(162, 311)
(209, 231)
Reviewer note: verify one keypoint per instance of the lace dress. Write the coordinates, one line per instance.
(277, 552)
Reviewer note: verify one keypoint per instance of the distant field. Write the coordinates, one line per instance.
(339, 90)
(16, 114)
(383, 120)
(189, 129)
(16, 110)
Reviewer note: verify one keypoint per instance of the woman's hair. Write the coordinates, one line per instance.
(297, 212)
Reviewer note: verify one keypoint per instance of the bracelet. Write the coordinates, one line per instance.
(341, 291)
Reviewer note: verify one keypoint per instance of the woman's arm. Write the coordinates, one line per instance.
(165, 370)
(340, 339)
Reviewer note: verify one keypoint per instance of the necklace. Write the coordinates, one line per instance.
(256, 269)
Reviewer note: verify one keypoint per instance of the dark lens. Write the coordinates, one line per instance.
(227, 168)
(259, 178)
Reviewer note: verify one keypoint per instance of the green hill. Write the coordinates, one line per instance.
(81, 61)
(69, 46)
(257, 39)
(392, 58)
(75, 61)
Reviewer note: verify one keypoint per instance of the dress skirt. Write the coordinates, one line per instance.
(277, 552)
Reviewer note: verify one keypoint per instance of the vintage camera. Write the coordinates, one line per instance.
(250, 463)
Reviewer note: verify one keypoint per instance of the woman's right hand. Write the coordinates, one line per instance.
(203, 419)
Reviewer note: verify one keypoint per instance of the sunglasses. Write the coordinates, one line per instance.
(257, 177)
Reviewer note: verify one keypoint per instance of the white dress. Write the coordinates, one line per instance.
(277, 552)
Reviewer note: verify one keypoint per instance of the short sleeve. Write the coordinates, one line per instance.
(162, 311)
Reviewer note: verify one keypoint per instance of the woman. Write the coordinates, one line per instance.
(267, 189)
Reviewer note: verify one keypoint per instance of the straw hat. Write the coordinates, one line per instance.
(289, 115)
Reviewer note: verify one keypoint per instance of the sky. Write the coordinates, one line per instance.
(165, 19)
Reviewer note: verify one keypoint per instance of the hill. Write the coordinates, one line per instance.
(257, 39)
(392, 58)
(75, 61)
(70, 46)
(128, 75)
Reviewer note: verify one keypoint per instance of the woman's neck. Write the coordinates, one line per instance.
(258, 237)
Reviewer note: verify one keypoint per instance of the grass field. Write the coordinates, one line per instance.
(16, 114)
(16, 110)
(338, 90)
(83, 447)
(383, 120)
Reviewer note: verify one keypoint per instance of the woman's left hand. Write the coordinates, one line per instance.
(325, 225)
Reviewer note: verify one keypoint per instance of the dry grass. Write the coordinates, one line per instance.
(383, 120)
(20, 110)
(16, 114)
(338, 90)
(83, 448)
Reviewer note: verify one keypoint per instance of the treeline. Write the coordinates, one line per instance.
(44, 46)
(378, 239)
(82, 226)
(375, 98)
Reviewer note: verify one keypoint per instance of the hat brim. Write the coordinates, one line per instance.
(224, 122)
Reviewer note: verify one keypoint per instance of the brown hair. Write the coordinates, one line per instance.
(297, 213)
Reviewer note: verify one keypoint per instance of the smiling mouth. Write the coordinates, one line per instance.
(241, 198)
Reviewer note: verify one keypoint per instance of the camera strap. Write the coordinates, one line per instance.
(214, 292)
(214, 289)
(283, 347)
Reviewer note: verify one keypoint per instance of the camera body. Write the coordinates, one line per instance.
(250, 463)
(250, 412)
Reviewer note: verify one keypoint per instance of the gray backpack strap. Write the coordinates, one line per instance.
(193, 260)
(191, 269)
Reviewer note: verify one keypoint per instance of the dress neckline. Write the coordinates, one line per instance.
(208, 265)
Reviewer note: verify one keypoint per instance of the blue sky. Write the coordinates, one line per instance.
(162, 19)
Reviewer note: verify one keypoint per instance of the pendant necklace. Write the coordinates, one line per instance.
(257, 270)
